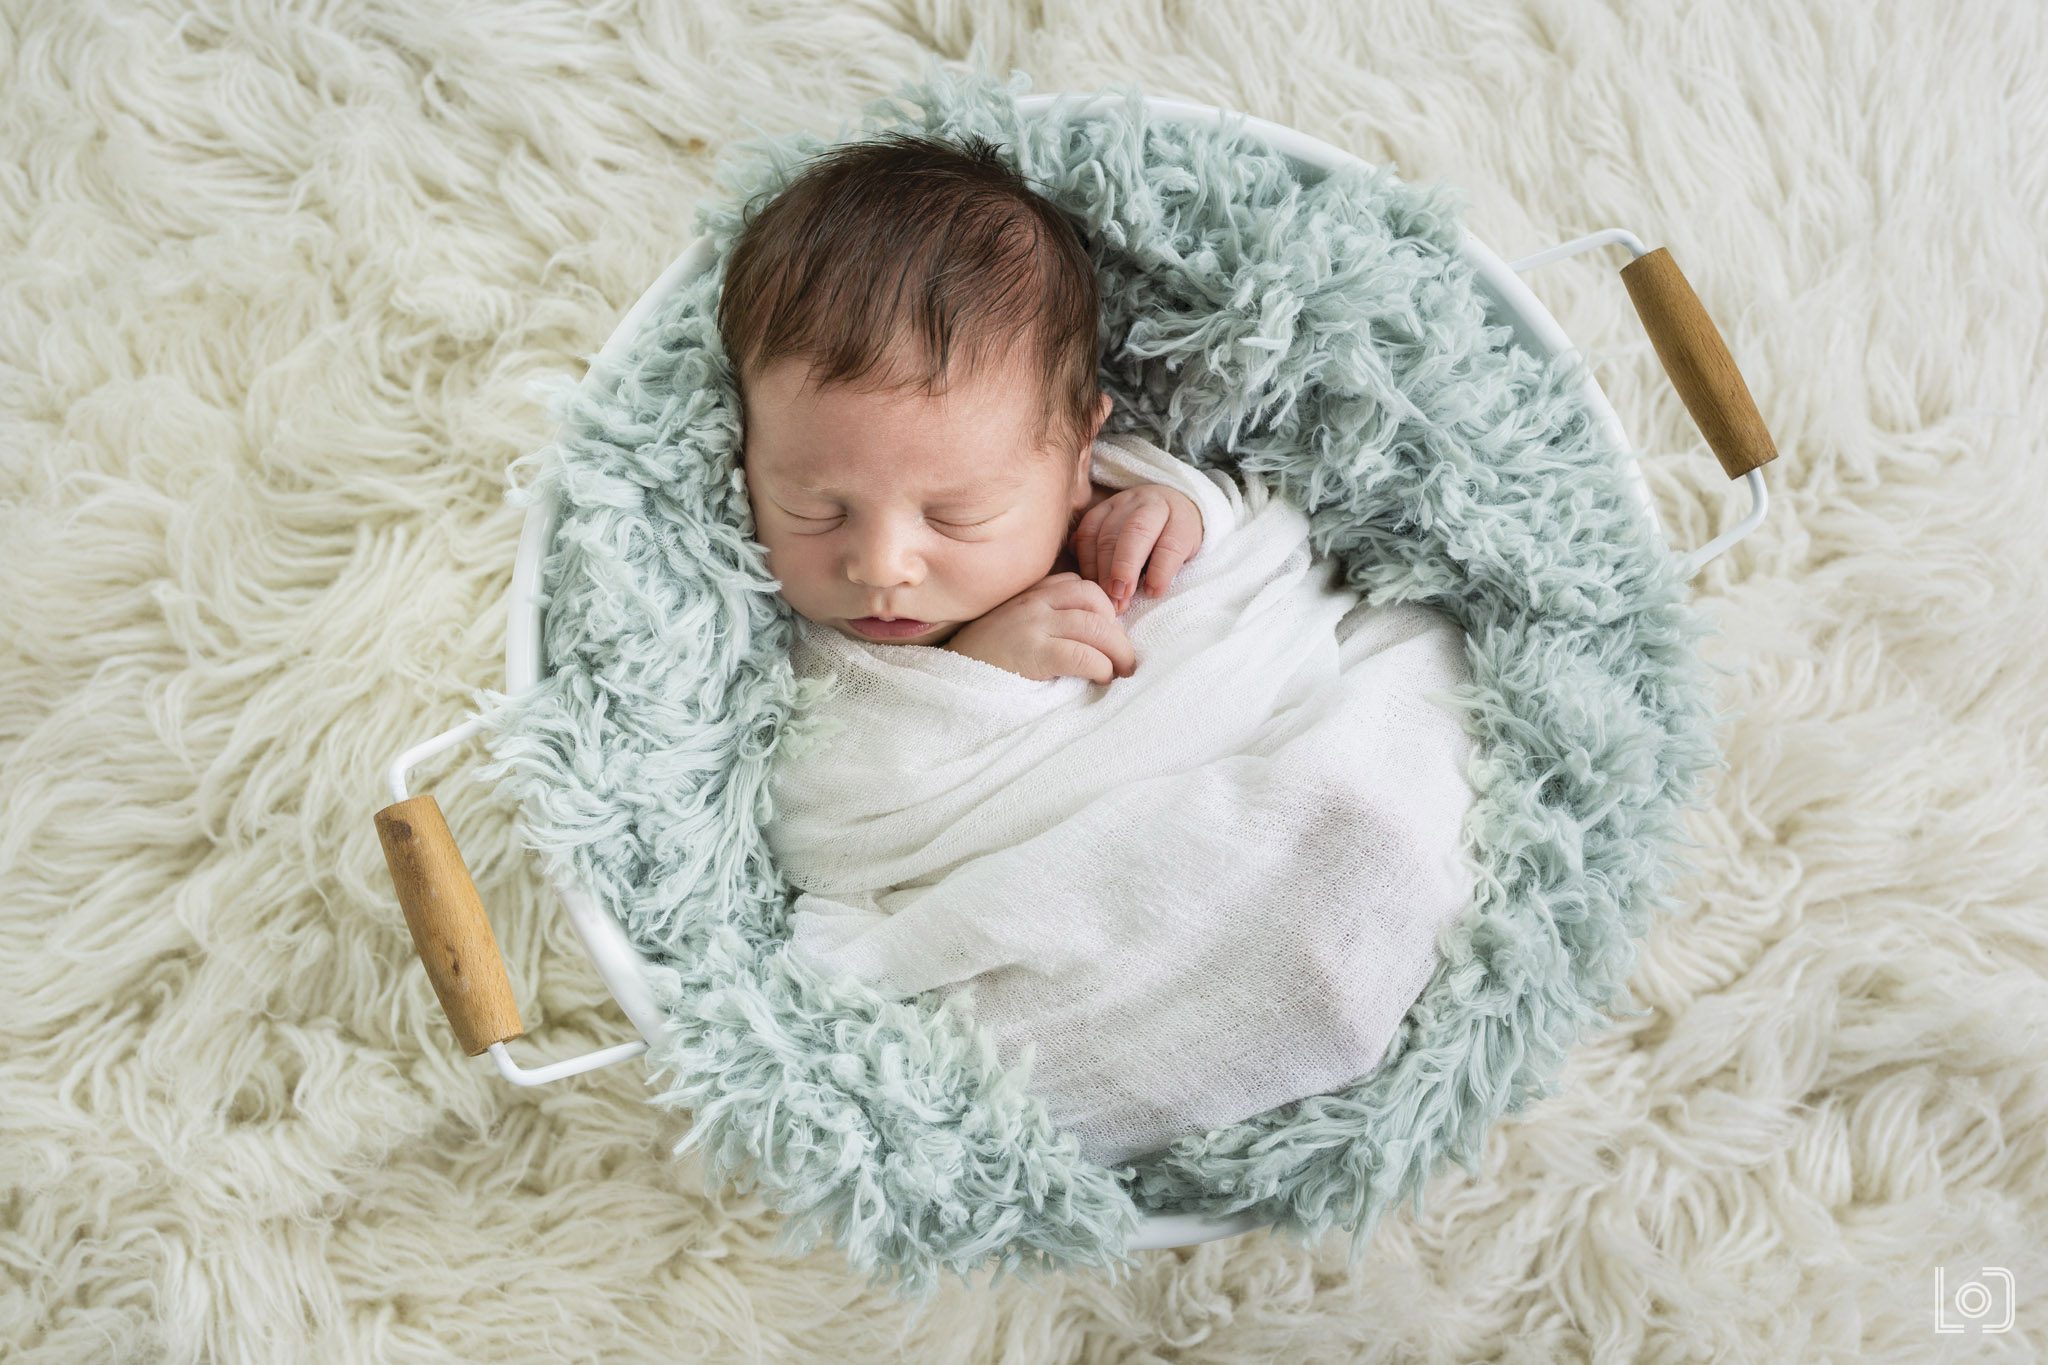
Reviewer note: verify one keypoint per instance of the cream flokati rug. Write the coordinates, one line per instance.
(272, 288)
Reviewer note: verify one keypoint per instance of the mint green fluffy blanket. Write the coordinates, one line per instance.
(1323, 332)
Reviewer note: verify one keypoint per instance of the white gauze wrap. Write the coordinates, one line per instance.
(1182, 898)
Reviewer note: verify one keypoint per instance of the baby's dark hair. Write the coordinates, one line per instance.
(904, 238)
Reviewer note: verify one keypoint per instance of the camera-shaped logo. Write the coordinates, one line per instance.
(1983, 1304)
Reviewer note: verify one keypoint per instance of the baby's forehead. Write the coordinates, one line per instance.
(948, 441)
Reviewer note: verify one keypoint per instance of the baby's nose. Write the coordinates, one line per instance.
(884, 565)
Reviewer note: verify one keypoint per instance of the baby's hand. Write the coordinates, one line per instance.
(1114, 539)
(1061, 626)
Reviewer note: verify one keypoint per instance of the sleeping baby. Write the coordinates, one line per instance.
(939, 507)
(1175, 895)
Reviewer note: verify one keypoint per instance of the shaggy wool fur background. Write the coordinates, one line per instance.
(273, 285)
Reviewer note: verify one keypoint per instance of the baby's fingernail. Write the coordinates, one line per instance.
(1119, 588)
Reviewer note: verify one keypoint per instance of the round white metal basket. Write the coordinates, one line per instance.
(447, 920)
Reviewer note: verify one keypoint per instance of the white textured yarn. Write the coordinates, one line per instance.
(1182, 897)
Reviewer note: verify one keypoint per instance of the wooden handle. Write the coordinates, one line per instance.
(450, 930)
(1698, 362)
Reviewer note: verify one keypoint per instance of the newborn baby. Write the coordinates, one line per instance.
(1174, 900)
(914, 333)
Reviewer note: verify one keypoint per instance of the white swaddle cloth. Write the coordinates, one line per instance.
(1183, 897)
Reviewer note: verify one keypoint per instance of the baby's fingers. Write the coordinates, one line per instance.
(1117, 550)
(1137, 539)
(1092, 641)
(1176, 545)
(1166, 562)
(1088, 534)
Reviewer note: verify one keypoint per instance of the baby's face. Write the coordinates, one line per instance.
(899, 505)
